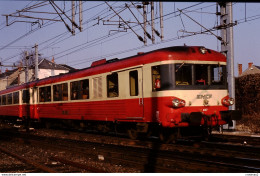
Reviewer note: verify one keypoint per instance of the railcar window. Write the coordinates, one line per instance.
(183, 74)
(45, 94)
(16, 97)
(156, 78)
(79, 90)
(26, 96)
(84, 89)
(133, 78)
(0, 100)
(10, 99)
(163, 77)
(218, 76)
(4, 100)
(112, 85)
(188, 76)
(201, 74)
(97, 87)
(60, 92)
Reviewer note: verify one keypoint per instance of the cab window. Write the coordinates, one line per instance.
(183, 74)
(156, 77)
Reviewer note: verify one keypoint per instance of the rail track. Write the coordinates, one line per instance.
(240, 139)
(127, 155)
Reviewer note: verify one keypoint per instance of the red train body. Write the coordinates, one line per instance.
(169, 88)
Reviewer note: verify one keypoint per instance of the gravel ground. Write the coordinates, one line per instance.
(41, 154)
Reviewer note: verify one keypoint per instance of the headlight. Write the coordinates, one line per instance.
(227, 101)
(175, 103)
(178, 103)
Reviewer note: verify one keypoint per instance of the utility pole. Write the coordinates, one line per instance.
(152, 16)
(145, 17)
(80, 16)
(73, 16)
(36, 62)
(161, 19)
(26, 67)
(227, 46)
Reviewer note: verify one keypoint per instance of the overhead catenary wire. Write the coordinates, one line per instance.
(47, 24)
(138, 36)
(57, 57)
(255, 17)
(28, 33)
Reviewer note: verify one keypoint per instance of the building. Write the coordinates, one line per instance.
(46, 69)
(252, 69)
(8, 78)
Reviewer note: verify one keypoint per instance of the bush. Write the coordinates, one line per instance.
(249, 123)
(248, 101)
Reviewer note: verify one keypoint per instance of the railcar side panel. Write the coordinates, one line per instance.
(98, 110)
(13, 110)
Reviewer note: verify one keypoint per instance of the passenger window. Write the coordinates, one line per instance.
(79, 90)
(26, 96)
(84, 89)
(74, 90)
(0, 100)
(16, 97)
(133, 78)
(112, 85)
(45, 94)
(156, 78)
(4, 100)
(60, 92)
(9, 99)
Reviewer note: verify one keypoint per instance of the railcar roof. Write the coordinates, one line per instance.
(71, 75)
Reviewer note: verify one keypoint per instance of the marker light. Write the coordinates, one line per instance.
(203, 50)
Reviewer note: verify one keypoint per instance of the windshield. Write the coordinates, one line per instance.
(189, 76)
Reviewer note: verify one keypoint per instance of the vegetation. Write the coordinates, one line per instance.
(248, 101)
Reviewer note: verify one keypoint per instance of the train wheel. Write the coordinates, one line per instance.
(132, 133)
(167, 135)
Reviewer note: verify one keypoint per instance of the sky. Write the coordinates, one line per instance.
(102, 38)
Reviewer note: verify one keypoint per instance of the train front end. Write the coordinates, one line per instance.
(191, 90)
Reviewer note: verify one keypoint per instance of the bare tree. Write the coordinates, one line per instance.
(31, 58)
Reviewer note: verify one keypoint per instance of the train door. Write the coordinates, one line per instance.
(33, 103)
(136, 100)
(20, 104)
(25, 103)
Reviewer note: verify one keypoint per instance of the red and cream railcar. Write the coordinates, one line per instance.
(169, 88)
